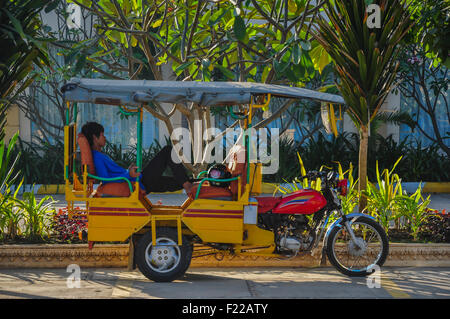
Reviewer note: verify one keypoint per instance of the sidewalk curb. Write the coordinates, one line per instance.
(267, 188)
(116, 256)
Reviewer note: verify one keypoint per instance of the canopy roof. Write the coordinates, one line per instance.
(137, 92)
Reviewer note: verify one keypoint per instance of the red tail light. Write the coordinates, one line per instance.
(342, 187)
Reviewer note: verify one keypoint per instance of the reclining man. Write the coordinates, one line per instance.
(151, 179)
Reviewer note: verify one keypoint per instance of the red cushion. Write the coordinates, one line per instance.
(208, 191)
(117, 189)
(86, 153)
(114, 189)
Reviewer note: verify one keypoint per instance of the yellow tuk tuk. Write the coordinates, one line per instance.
(228, 219)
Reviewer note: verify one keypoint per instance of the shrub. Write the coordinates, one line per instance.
(435, 228)
(388, 202)
(41, 163)
(36, 215)
(323, 151)
(381, 198)
(10, 220)
(414, 208)
(386, 199)
(288, 166)
(70, 228)
(25, 219)
(349, 201)
(418, 163)
(10, 216)
(425, 164)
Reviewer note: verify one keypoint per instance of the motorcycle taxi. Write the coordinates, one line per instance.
(234, 219)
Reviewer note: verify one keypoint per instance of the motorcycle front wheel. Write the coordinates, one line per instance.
(363, 257)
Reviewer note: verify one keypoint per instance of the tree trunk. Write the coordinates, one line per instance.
(362, 165)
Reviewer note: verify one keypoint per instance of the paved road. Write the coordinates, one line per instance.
(215, 283)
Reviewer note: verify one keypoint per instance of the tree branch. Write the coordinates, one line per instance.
(274, 115)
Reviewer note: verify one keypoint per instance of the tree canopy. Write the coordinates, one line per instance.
(23, 47)
(264, 41)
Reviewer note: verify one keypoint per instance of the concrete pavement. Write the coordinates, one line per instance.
(218, 283)
(215, 283)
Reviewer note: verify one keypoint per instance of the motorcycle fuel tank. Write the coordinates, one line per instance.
(304, 201)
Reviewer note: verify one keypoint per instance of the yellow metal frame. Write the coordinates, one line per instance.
(177, 218)
(214, 221)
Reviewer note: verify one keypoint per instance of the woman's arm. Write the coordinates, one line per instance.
(106, 167)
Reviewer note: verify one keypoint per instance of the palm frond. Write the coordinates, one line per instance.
(364, 57)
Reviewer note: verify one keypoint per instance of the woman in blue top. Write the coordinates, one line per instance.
(151, 179)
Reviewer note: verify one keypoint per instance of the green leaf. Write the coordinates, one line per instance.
(296, 54)
(239, 28)
(51, 6)
(229, 74)
(80, 64)
(17, 26)
(306, 61)
(362, 66)
(182, 67)
(157, 23)
(265, 73)
(265, 31)
(175, 46)
(289, 73)
(216, 17)
(206, 74)
(299, 71)
(99, 54)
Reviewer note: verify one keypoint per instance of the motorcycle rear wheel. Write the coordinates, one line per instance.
(360, 259)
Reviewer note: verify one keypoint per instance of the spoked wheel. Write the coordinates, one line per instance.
(358, 258)
(164, 260)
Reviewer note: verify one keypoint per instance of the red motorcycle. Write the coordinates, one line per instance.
(354, 243)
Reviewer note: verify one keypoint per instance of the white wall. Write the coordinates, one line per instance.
(392, 104)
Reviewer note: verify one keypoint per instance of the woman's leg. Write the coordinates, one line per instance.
(152, 173)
